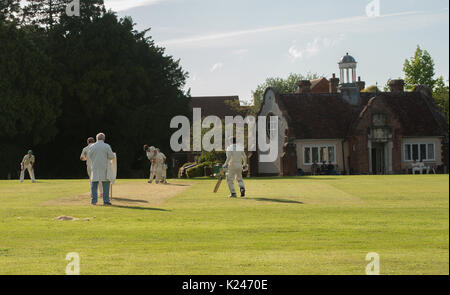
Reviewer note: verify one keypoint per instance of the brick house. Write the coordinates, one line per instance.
(359, 132)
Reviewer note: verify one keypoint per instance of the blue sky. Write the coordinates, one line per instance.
(230, 46)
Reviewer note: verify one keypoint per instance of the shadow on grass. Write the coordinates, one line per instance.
(276, 200)
(299, 178)
(139, 208)
(176, 184)
(130, 200)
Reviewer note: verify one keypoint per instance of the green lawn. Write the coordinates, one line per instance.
(309, 225)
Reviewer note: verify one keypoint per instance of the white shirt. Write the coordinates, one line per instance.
(160, 158)
(235, 156)
(84, 153)
(28, 159)
(100, 153)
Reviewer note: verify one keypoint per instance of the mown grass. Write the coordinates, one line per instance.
(309, 225)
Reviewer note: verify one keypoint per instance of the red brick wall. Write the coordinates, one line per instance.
(359, 158)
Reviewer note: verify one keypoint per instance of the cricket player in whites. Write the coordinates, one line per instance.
(160, 169)
(27, 163)
(150, 152)
(236, 163)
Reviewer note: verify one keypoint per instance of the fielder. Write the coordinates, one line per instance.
(160, 169)
(84, 157)
(236, 162)
(150, 152)
(27, 163)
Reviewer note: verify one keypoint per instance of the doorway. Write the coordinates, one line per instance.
(378, 158)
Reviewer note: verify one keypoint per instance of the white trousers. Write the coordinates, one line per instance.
(160, 174)
(232, 174)
(152, 172)
(30, 172)
(426, 169)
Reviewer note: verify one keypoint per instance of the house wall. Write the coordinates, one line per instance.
(270, 106)
(337, 143)
(437, 150)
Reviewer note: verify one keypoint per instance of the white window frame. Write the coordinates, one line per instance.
(418, 144)
(318, 146)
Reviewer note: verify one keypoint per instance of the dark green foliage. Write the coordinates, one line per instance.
(30, 96)
(213, 157)
(64, 81)
(198, 171)
(419, 70)
(440, 94)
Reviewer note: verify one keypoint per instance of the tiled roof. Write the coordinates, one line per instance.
(317, 116)
(215, 105)
(327, 116)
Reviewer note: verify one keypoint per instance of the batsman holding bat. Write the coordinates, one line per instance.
(236, 163)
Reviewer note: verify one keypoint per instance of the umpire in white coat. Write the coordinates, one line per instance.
(100, 154)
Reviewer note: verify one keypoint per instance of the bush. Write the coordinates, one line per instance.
(197, 171)
(213, 157)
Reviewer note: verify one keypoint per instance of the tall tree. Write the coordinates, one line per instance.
(419, 69)
(440, 94)
(114, 80)
(29, 94)
(9, 10)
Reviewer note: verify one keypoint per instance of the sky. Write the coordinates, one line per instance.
(228, 47)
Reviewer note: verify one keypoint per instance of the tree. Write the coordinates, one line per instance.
(9, 10)
(371, 88)
(440, 94)
(114, 80)
(419, 70)
(30, 96)
(288, 85)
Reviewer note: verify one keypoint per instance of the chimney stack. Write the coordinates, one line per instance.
(304, 86)
(361, 84)
(396, 86)
(334, 83)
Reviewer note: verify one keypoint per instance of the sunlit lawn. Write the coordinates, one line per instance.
(309, 225)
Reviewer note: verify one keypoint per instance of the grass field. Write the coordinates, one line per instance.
(307, 225)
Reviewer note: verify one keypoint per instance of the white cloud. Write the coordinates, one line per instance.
(357, 23)
(119, 5)
(240, 52)
(216, 67)
(313, 48)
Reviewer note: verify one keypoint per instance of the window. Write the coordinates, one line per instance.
(419, 151)
(319, 154)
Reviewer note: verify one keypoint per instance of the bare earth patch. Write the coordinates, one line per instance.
(135, 194)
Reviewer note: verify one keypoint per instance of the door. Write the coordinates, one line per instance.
(378, 158)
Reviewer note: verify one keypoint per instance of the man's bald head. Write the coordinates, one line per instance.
(100, 136)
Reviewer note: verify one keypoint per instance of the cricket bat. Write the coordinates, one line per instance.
(219, 181)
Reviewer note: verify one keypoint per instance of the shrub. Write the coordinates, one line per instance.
(197, 171)
(213, 157)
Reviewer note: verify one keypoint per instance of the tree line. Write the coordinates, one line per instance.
(65, 78)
